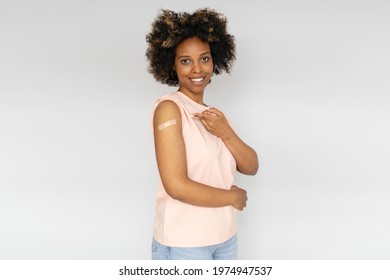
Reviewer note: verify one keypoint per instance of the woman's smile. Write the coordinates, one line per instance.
(194, 67)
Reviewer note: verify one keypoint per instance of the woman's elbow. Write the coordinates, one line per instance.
(250, 170)
(255, 167)
(253, 170)
(174, 189)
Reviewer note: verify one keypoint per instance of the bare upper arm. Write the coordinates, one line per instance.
(169, 146)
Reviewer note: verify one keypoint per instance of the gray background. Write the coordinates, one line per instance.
(309, 91)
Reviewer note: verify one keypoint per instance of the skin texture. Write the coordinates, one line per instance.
(193, 60)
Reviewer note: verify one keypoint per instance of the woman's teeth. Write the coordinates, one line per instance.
(197, 79)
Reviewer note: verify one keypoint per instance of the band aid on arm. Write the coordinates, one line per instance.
(166, 124)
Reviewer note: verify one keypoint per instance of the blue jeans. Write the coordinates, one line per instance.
(223, 251)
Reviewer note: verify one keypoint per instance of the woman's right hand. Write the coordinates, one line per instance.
(240, 198)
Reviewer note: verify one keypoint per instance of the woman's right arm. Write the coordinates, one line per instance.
(172, 165)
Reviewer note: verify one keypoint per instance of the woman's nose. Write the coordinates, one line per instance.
(196, 67)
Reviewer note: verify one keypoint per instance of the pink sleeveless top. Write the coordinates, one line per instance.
(209, 162)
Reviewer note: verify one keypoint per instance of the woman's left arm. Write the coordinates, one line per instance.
(216, 123)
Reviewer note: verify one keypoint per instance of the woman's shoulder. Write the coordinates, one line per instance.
(169, 107)
(170, 96)
(166, 105)
(170, 100)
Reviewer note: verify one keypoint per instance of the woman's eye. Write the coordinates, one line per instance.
(205, 59)
(185, 61)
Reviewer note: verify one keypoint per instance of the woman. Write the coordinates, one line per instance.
(197, 151)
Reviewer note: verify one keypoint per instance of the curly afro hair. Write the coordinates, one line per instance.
(170, 28)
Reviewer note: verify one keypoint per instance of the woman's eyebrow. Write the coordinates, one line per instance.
(185, 56)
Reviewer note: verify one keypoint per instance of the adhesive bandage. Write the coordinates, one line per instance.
(166, 124)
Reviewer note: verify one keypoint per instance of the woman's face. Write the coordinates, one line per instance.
(193, 65)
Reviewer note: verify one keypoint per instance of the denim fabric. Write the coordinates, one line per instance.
(223, 251)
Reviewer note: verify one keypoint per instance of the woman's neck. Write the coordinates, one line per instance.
(196, 97)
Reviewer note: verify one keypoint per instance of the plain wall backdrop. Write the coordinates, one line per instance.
(309, 91)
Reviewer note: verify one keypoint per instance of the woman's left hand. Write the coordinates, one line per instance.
(215, 123)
